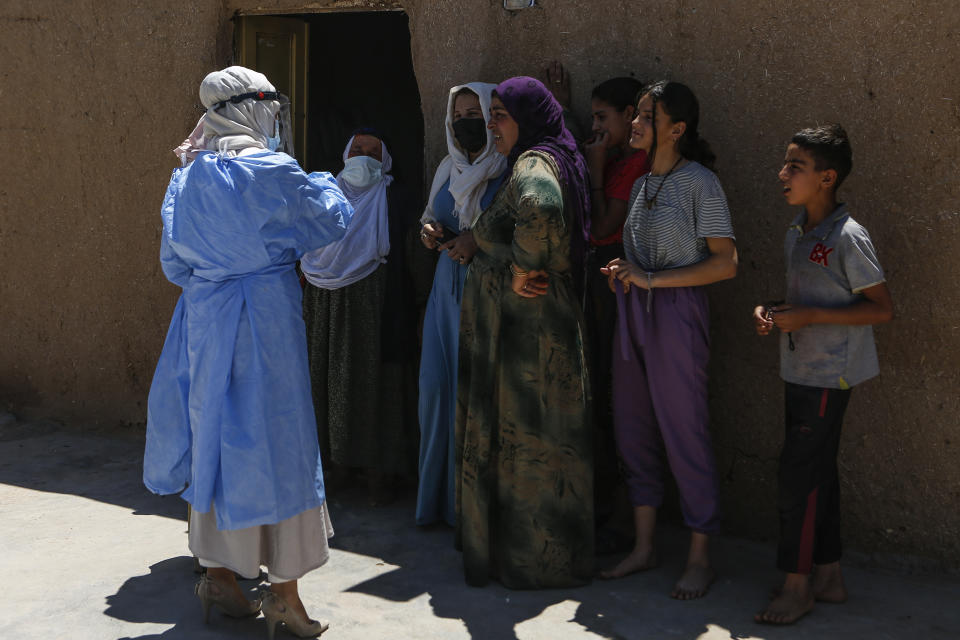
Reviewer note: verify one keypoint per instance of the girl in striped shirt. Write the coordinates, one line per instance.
(677, 238)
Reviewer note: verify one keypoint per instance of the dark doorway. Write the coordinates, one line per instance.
(342, 71)
(361, 74)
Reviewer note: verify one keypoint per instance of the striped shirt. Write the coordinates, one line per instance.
(689, 207)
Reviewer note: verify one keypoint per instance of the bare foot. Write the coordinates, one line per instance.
(694, 583)
(787, 608)
(638, 560)
(828, 584)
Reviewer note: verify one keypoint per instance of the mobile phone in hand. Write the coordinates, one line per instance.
(448, 235)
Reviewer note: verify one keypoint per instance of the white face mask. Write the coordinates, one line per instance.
(361, 171)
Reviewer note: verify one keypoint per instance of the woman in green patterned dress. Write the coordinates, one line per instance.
(524, 445)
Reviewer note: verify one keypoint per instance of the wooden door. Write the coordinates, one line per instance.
(277, 48)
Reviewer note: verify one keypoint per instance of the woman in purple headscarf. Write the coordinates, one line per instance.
(524, 446)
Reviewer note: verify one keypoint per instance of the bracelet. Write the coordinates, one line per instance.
(518, 272)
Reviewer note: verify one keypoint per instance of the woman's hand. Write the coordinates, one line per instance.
(627, 273)
(430, 233)
(557, 79)
(531, 284)
(595, 150)
(461, 249)
(762, 320)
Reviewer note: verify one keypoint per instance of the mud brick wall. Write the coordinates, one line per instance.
(96, 93)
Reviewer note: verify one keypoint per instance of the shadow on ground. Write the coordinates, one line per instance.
(426, 563)
(106, 469)
(165, 596)
(387, 578)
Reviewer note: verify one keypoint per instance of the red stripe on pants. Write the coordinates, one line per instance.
(823, 403)
(805, 559)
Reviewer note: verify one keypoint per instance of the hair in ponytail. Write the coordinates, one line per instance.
(681, 105)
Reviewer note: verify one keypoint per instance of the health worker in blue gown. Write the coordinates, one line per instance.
(230, 417)
(464, 185)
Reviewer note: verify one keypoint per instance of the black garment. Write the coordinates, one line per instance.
(809, 485)
(601, 316)
(362, 345)
(399, 316)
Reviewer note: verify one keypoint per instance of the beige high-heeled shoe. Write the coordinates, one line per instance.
(275, 610)
(211, 593)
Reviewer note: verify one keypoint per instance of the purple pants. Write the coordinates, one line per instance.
(660, 399)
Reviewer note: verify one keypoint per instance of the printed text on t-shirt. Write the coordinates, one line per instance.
(820, 253)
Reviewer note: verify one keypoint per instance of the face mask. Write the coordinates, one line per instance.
(361, 171)
(471, 134)
(274, 142)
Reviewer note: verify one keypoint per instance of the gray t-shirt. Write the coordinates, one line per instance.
(689, 207)
(829, 267)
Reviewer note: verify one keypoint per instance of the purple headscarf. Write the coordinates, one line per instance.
(540, 118)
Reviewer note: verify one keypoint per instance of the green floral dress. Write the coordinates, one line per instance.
(523, 438)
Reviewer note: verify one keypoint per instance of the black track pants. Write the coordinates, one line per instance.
(809, 486)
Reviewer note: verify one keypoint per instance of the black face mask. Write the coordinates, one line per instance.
(471, 133)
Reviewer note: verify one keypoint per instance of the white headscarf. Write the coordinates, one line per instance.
(240, 126)
(367, 241)
(468, 182)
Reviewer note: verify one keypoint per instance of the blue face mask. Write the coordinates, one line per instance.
(362, 171)
(274, 141)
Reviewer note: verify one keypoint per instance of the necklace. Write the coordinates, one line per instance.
(651, 202)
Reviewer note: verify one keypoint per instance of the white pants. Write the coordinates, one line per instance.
(289, 549)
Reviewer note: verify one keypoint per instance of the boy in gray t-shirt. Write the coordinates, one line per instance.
(835, 292)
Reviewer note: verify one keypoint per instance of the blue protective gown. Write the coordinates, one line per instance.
(230, 417)
(438, 372)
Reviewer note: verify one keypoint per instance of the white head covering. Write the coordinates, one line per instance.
(240, 126)
(467, 181)
(367, 241)
(360, 196)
